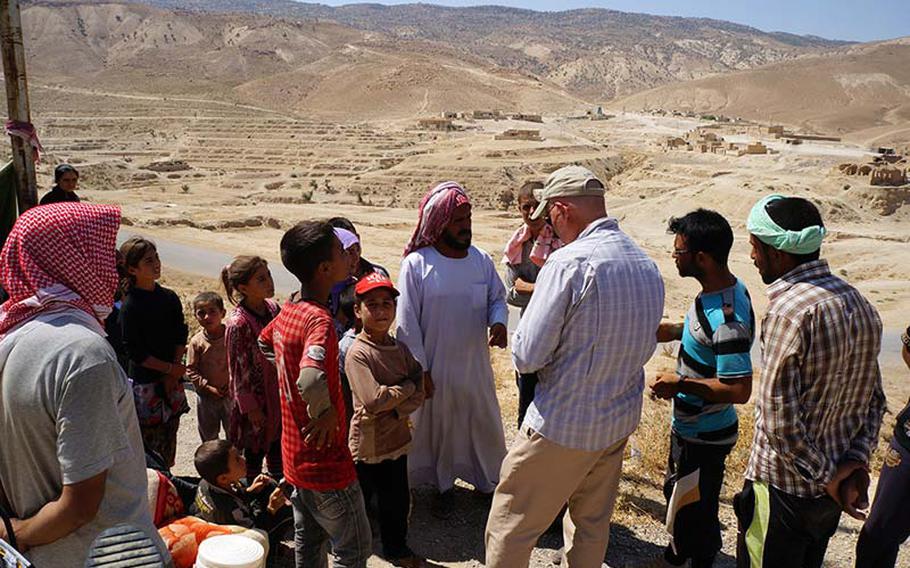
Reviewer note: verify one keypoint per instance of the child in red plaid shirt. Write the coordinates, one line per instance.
(327, 501)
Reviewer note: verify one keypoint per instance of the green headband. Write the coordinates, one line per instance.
(767, 231)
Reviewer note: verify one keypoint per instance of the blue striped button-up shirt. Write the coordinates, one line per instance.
(588, 331)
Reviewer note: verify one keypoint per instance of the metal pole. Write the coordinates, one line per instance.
(17, 100)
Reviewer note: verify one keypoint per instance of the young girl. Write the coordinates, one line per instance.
(154, 335)
(256, 416)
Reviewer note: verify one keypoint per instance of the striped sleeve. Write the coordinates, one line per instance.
(732, 345)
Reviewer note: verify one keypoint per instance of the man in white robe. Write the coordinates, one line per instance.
(452, 308)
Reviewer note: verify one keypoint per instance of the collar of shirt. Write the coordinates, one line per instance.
(802, 273)
(608, 223)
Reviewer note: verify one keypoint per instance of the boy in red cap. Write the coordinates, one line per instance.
(387, 384)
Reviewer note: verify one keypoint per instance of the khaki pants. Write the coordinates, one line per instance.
(538, 477)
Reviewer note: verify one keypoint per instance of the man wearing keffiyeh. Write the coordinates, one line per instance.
(524, 255)
(820, 400)
(451, 309)
(71, 459)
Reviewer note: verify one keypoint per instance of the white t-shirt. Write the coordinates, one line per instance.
(66, 415)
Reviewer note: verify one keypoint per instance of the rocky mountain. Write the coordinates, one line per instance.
(594, 53)
(861, 91)
(279, 63)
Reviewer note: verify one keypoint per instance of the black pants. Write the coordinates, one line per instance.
(527, 384)
(888, 524)
(272, 458)
(797, 532)
(388, 481)
(696, 527)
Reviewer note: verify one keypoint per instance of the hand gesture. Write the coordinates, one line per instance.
(428, 387)
(262, 481)
(667, 332)
(177, 371)
(6, 537)
(850, 488)
(320, 432)
(665, 386)
(277, 500)
(499, 336)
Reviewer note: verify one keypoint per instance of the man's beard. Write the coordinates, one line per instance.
(462, 243)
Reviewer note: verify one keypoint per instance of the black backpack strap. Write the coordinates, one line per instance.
(7, 517)
(7, 523)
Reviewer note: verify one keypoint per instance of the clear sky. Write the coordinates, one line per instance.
(856, 20)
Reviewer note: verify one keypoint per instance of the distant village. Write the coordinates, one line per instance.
(887, 167)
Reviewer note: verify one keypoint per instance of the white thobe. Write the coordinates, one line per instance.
(444, 313)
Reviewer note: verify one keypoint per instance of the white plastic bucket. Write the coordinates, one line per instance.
(230, 551)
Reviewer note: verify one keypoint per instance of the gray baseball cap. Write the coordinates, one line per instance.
(568, 181)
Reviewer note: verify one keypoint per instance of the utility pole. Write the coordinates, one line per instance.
(17, 101)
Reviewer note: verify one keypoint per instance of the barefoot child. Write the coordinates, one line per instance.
(207, 367)
(327, 501)
(387, 383)
(154, 336)
(256, 416)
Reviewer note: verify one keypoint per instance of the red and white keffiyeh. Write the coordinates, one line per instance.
(436, 210)
(59, 257)
(27, 132)
(546, 242)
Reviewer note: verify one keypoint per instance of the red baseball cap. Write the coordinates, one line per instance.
(372, 281)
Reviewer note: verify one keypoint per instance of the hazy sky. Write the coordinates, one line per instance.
(857, 20)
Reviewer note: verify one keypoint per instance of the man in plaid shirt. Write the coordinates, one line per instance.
(820, 400)
(327, 501)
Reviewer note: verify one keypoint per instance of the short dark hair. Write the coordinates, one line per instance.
(705, 231)
(62, 169)
(208, 298)
(211, 459)
(346, 301)
(305, 246)
(343, 223)
(795, 214)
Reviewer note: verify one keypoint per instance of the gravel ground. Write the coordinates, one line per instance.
(637, 535)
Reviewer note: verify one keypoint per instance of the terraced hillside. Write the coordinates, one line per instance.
(232, 153)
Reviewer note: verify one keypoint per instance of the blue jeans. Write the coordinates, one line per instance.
(337, 516)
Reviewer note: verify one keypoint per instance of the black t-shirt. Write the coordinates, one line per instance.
(152, 323)
(57, 195)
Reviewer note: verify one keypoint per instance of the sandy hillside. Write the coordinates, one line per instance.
(290, 65)
(862, 92)
(591, 52)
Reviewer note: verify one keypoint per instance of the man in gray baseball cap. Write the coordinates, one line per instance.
(569, 181)
(587, 332)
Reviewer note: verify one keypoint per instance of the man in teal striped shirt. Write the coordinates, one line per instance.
(714, 372)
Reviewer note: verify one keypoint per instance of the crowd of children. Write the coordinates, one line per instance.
(260, 370)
